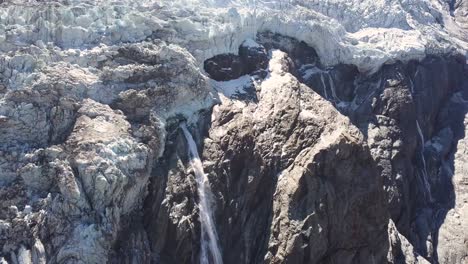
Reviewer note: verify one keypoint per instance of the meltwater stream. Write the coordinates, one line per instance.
(423, 169)
(209, 238)
(424, 174)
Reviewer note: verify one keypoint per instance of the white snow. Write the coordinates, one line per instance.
(232, 87)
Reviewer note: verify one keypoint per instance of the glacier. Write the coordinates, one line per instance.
(363, 33)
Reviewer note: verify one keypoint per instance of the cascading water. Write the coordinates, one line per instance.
(332, 87)
(209, 238)
(423, 159)
(424, 170)
(324, 86)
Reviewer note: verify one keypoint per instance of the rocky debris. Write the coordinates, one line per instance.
(114, 172)
(111, 170)
(33, 125)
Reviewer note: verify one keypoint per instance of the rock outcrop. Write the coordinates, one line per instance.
(75, 194)
(452, 236)
(281, 195)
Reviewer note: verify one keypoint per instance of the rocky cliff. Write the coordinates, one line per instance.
(329, 132)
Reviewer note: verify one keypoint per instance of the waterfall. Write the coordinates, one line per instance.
(423, 170)
(411, 86)
(324, 86)
(332, 87)
(209, 236)
(421, 138)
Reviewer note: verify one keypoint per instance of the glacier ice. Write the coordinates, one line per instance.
(365, 33)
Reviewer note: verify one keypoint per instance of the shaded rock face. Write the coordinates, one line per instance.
(224, 67)
(280, 193)
(252, 57)
(408, 115)
(309, 173)
(452, 241)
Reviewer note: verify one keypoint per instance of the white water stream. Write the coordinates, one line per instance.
(324, 87)
(332, 87)
(424, 170)
(423, 159)
(210, 251)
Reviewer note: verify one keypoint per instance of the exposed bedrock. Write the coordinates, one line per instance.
(280, 197)
(309, 172)
(252, 57)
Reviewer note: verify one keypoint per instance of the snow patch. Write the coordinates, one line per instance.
(232, 87)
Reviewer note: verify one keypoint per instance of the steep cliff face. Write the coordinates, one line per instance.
(328, 132)
(278, 168)
(298, 182)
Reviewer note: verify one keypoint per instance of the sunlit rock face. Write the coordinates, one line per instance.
(329, 131)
